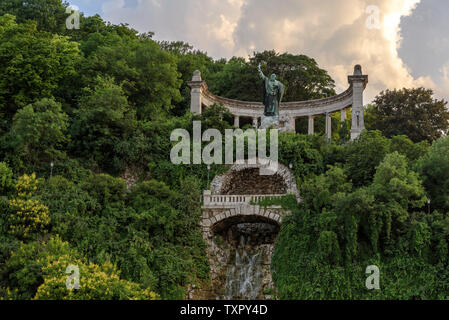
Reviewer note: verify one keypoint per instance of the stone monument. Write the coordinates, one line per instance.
(286, 113)
(273, 91)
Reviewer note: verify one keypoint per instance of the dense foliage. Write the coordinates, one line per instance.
(369, 208)
(86, 177)
(413, 112)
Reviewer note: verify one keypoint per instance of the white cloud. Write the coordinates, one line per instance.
(332, 32)
(443, 88)
(208, 25)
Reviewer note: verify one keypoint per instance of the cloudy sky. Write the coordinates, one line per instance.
(407, 46)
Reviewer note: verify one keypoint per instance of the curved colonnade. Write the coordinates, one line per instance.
(202, 98)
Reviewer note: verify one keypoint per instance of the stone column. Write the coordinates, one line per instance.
(255, 122)
(196, 85)
(343, 115)
(236, 121)
(311, 126)
(328, 126)
(358, 83)
(292, 124)
(206, 197)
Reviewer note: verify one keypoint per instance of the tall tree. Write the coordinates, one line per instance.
(188, 61)
(412, 112)
(103, 120)
(301, 75)
(32, 64)
(38, 131)
(50, 15)
(146, 73)
(434, 169)
(363, 156)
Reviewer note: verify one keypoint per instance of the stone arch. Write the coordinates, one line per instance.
(231, 220)
(244, 213)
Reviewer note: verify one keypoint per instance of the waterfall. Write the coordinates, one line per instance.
(244, 278)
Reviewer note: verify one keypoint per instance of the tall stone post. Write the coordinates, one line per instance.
(343, 115)
(292, 124)
(197, 86)
(328, 126)
(236, 121)
(358, 82)
(311, 125)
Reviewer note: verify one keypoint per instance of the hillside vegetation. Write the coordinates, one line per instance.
(86, 177)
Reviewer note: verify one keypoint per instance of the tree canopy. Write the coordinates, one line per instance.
(300, 74)
(411, 112)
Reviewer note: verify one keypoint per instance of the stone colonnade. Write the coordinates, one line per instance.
(290, 111)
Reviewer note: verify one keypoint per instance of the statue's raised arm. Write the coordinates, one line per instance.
(261, 73)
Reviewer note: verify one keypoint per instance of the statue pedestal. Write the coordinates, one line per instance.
(275, 122)
(270, 122)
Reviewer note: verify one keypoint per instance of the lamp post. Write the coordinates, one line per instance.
(208, 170)
(290, 165)
(428, 205)
(51, 168)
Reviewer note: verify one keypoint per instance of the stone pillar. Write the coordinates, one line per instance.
(255, 122)
(197, 85)
(236, 121)
(343, 115)
(358, 82)
(292, 124)
(311, 126)
(206, 197)
(328, 126)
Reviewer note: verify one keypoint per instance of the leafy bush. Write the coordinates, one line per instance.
(95, 283)
(6, 179)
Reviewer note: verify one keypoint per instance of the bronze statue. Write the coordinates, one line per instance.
(273, 92)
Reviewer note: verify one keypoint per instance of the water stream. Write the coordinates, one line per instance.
(244, 278)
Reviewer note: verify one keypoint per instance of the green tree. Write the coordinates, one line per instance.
(103, 120)
(237, 80)
(95, 24)
(28, 217)
(146, 73)
(50, 15)
(318, 191)
(96, 282)
(363, 156)
(175, 255)
(302, 76)
(411, 112)
(32, 64)
(22, 273)
(405, 146)
(398, 191)
(39, 131)
(38, 270)
(301, 153)
(434, 170)
(189, 60)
